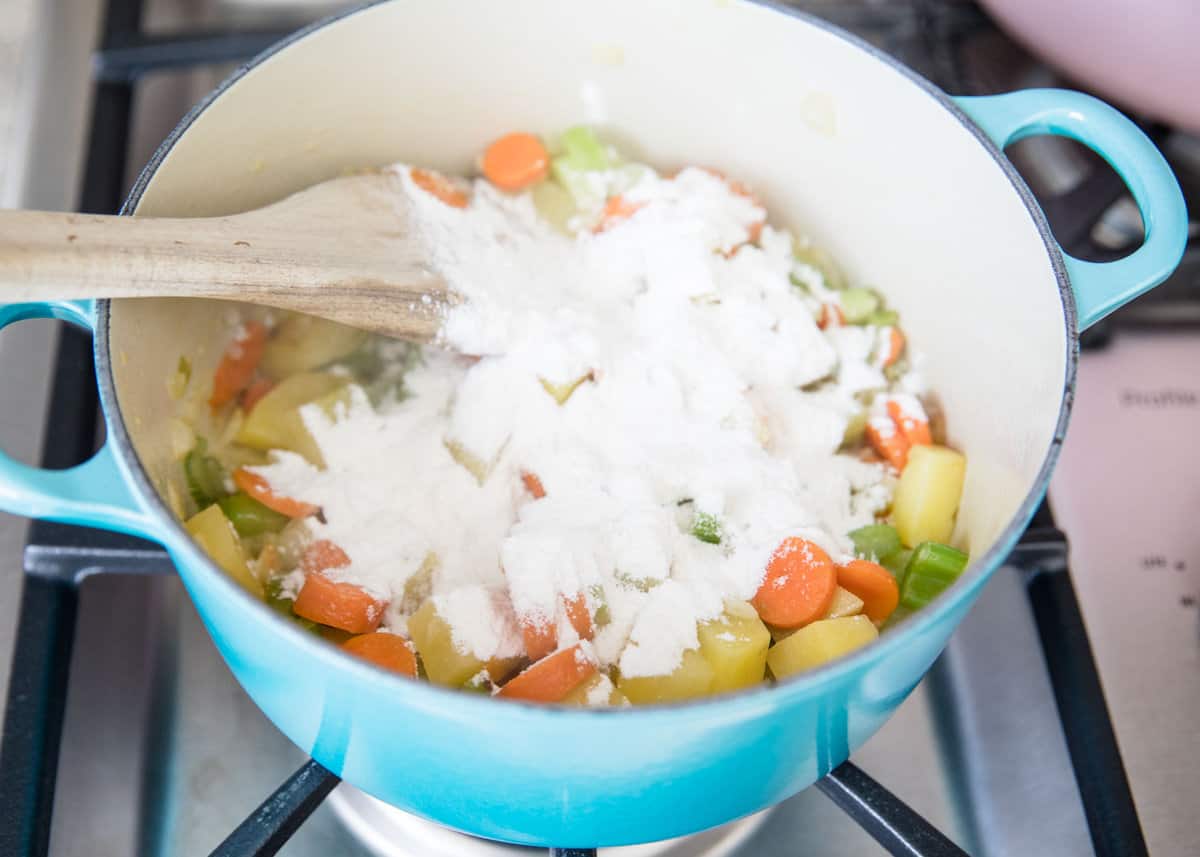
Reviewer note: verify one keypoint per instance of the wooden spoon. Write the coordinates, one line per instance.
(343, 250)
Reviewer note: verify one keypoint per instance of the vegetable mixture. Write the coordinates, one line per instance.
(282, 376)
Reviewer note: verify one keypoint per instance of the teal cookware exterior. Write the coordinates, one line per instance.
(568, 777)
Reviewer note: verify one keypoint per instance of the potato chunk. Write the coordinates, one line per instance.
(735, 646)
(275, 422)
(692, 678)
(216, 535)
(928, 494)
(818, 643)
(301, 343)
(444, 663)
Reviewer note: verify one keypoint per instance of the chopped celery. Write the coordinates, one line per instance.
(882, 317)
(599, 600)
(250, 517)
(859, 304)
(562, 392)
(931, 569)
(204, 474)
(706, 528)
(875, 542)
(856, 427)
(897, 562)
(583, 149)
(178, 382)
(815, 257)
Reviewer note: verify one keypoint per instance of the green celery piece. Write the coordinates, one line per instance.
(881, 318)
(859, 304)
(896, 563)
(856, 426)
(583, 149)
(875, 542)
(250, 517)
(706, 528)
(603, 615)
(931, 569)
(204, 475)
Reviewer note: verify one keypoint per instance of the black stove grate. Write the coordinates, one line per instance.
(59, 557)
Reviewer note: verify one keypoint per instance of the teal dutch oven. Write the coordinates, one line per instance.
(906, 185)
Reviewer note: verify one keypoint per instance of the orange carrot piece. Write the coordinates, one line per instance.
(238, 363)
(323, 555)
(541, 638)
(914, 430)
(896, 344)
(798, 587)
(533, 485)
(441, 187)
(252, 394)
(258, 488)
(831, 315)
(552, 678)
(615, 210)
(872, 583)
(885, 436)
(327, 602)
(579, 616)
(516, 161)
(390, 651)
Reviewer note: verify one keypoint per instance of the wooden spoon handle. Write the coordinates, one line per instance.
(250, 257)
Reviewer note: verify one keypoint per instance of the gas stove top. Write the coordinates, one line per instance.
(1007, 746)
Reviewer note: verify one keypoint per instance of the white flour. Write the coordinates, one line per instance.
(696, 359)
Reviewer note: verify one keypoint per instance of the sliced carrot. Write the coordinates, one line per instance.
(533, 485)
(323, 555)
(327, 602)
(541, 638)
(552, 678)
(252, 394)
(579, 616)
(390, 651)
(754, 231)
(238, 363)
(914, 430)
(885, 436)
(516, 161)
(258, 488)
(872, 583)
(831, 315)
(615, 210)
(443, 188)
(798, 587)
(895, 344)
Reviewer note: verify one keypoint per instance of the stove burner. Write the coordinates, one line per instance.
(390, 832)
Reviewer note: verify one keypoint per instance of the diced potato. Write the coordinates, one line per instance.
(735, 646)
(554, 204)
(845, 603)
(818, 643)
(598, 688)
(275, 422)
(216, 535)
(303, 342)
(692, 678)
(444, 664)
(928, 494)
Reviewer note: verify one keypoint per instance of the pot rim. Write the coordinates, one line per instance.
(172, 532)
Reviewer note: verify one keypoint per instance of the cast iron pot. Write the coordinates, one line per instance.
(907, 186)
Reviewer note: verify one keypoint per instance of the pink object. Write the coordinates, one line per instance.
(1143, 53)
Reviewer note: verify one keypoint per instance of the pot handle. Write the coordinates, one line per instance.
(1100, 287)
(96, 493)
